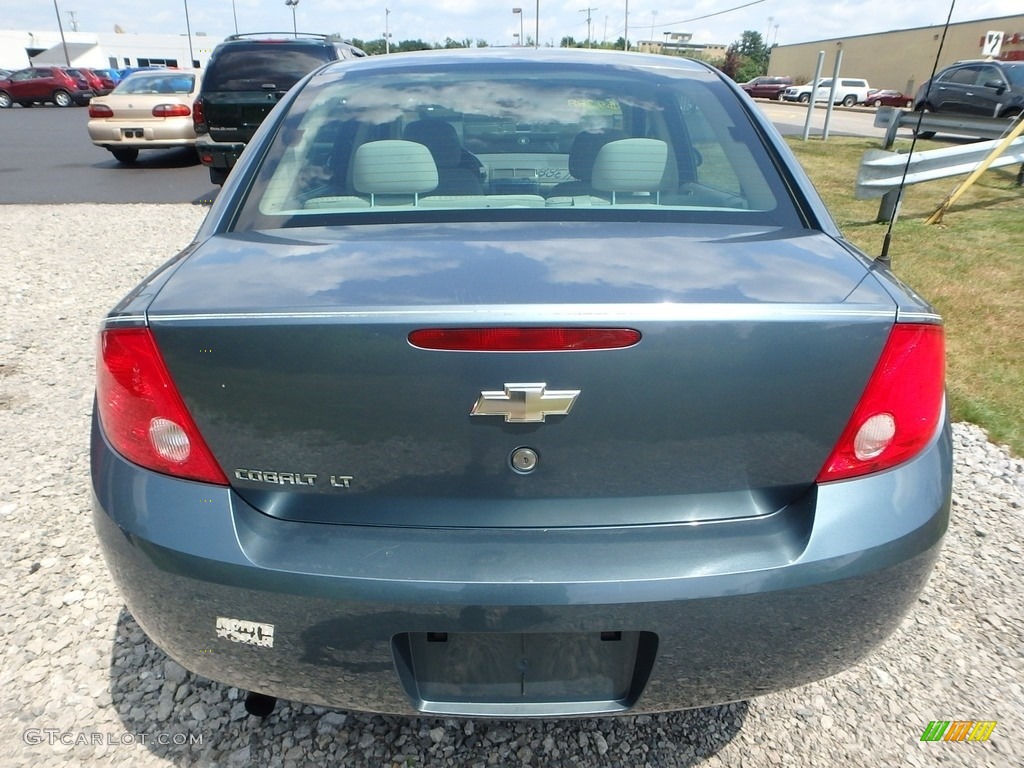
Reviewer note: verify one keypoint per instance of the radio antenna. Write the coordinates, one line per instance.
(884, 258)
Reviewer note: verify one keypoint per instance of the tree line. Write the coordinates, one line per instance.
(744, 59)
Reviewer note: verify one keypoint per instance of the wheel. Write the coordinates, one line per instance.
(62, 99)
(850, 100)
(778, 97)
(923, 134)
(126, 156)
(908, 105)
(218, 176)
(5, 100)
(804, 98)
(877, 102)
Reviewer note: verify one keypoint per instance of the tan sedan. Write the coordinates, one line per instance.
(147, 110)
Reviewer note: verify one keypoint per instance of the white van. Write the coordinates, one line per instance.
(850, 91)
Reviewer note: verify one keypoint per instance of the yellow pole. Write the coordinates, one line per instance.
(936, 217)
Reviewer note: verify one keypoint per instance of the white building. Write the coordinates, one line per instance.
(23, 48)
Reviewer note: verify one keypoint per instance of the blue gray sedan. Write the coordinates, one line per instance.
(519, 383)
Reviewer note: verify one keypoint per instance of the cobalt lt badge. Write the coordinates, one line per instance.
(525, 403)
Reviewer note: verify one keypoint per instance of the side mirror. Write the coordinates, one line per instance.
(999, 85)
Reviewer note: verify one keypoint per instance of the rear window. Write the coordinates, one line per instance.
(591, 143)
(165, 82)
(261, 66)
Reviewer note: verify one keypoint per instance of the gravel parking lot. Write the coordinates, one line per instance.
(84, 686)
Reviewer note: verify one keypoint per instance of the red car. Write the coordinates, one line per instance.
(767, 87)
(888, 99)
(43, 84)
(100, 84)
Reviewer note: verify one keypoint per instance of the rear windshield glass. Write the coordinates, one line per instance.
(164, 82)
(593, 143)
(262, 66)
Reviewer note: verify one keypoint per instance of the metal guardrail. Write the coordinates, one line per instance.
(881, 173)
(893, 119)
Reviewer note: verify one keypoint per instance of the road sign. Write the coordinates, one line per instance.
(992, 44)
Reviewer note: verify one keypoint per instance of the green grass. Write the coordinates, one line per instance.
(970, 267)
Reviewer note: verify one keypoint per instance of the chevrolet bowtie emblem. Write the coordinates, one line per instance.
(525, 403)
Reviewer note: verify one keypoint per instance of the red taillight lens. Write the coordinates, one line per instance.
(100, 110)
(171, 110)
(198, 116)
(899, 411)
(523, 339)
(141, 412)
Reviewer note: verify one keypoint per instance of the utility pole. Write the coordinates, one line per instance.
(72, 16)
(387, 32)
(625, 36)
(60, 26)
(654, 18)
(587, 11)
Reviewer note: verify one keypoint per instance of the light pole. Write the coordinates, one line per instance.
(520, 12)
(292, 4)
(61, 27)
(188, 31)
(536, 31)
(387, 32)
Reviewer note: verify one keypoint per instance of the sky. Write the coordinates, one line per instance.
(778, 21)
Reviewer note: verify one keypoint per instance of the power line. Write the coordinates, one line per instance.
(700, 18)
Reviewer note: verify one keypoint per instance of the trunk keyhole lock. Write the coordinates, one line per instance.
(523, 460)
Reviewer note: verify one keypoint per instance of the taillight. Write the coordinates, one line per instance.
(171, 110)
(198, 116)
(141, 412)
(899, 411)
(512, 339)
(100, 110)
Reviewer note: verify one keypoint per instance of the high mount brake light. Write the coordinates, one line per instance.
(510, 339)
(900, 409)
(141, 412)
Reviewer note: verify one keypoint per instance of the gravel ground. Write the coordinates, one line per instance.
(84, 686)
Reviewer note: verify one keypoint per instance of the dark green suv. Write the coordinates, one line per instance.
(245, 78)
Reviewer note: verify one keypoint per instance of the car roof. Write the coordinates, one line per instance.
(526, 55)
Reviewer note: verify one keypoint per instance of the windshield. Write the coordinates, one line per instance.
(1015, 74)
(475, 145)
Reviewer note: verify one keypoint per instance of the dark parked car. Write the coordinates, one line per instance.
(114, 75)
(767, 87)
(100, 85)
(245, 78)
(985, 87)
(36, 85)
(888, 98)
(515, 383)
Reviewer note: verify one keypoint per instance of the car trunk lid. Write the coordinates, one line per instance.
(755, 347)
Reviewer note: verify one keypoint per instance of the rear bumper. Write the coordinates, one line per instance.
(705, 613)
(127, 134)
(215, 154)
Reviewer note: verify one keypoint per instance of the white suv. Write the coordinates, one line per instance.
(850, 91)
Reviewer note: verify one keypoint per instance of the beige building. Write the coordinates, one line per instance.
(901, 59)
